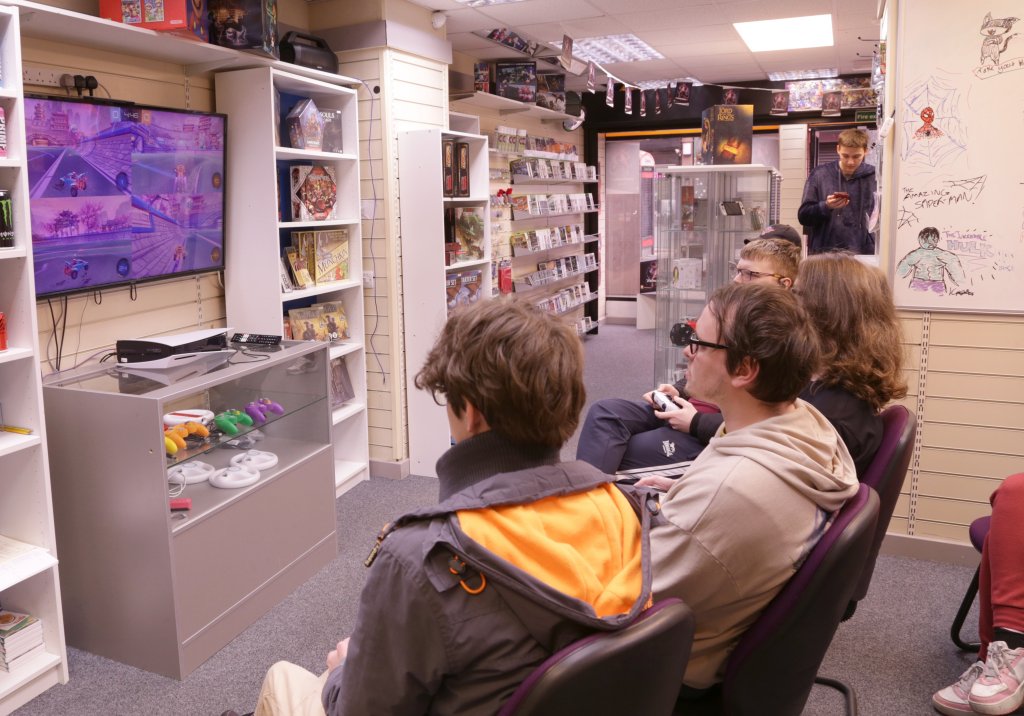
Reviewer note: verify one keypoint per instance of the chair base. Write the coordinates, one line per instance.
(849, 697)
(961, 616)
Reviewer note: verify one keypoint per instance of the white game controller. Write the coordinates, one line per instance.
(256, 459)
(190, 473)
(234, 477)
(662, 402)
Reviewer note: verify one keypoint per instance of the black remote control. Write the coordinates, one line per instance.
(259, 339)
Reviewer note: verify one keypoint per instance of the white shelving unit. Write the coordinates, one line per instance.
(259, 227)
(507, 107)
(424, 272)
(29, 582)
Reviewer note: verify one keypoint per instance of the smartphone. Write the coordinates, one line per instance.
(841, 195)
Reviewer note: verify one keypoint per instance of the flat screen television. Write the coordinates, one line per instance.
(121, 193)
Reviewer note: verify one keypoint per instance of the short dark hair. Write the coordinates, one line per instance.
(766, 324)
(521, 367)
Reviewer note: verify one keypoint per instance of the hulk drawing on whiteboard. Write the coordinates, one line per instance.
(931, 265)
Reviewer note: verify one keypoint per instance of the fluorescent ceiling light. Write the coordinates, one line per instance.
(659, 84)
(484, 3)
(791, 33)
(803, 74)
(613, 48)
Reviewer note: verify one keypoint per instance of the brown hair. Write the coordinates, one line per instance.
(765, 323)
(853, 139)
(850, 304)
(783, 255)
(521, 367)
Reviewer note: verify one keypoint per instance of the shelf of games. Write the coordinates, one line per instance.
(446, 259)
(539, 204)
(32, 652)
(299, 272)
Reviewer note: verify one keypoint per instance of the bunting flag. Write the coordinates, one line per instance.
(565, 60)
(643, 103)
(780, 103)
(657, 101)
(591, 84)
(731, 95)
(831, 103)
(682, 93)
(609, 93)
(629, 99)
(670, 93)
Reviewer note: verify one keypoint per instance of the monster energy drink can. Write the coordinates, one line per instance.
(6, 220)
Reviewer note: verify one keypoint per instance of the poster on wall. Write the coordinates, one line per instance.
(958, 226)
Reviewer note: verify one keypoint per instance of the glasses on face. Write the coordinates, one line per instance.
(746, 275)
(683, 335)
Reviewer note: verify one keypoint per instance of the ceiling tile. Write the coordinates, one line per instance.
(533, 11)
(624, 7)
(467, 20)
(704, 49)
(684, 20)
(463, 41)
(439, 4)
(710, 33)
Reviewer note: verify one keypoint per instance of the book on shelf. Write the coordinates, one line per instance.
(300, 271)
(448, 167)
(341, 389)
(287, 284)
(21, 638)
(461, 169)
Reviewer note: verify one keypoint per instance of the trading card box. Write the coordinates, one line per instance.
(516, 80)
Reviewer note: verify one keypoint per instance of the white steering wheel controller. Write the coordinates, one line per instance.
(256, 459)
(190, 473)
(234, 477)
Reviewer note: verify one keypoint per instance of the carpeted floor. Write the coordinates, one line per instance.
(895, 651)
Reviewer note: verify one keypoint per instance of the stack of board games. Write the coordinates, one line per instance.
(325, 254)
(21, 638)
(319, 322)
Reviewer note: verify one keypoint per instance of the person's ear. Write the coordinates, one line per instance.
(473, 420)
(746, 373)
(786, 282)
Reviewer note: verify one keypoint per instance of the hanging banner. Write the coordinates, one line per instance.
(657, 101)
(629, 98)
(670, 94)
(643, 103)
(565, 60)
(780, 103)
(609, 93)
(731, 95)
(591, 82)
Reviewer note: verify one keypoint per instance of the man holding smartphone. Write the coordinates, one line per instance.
(839, 199)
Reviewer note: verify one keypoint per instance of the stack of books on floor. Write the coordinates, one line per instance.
(21, 638)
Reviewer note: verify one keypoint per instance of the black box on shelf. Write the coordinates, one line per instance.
(482, 77)
(516, 80)
(462, 169)
(244, 25)
(448, 167)
(727, 132)
(332, 137)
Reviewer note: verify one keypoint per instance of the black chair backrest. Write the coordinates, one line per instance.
(635, 670)
(885, 475)
(772, 669)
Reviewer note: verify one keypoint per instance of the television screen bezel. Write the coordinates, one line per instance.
(132, 282)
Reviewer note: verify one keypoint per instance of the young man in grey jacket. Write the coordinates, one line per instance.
(738, 523)
(523, 555)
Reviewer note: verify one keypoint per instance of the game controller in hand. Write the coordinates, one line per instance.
(258, 409)
(662, 402)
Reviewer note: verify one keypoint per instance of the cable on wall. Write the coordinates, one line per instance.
(373, 219)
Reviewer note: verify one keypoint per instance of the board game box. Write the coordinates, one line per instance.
(314, 192)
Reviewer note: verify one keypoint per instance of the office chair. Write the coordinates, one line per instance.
(978, 531)
(775, 664)
(885, 476)
(635, 670)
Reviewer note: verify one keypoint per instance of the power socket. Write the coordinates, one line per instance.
(368, 279)
(41, 76)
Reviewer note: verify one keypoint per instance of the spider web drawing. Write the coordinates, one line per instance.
(948, 101)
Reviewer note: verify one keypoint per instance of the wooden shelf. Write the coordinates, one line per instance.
(505, 106)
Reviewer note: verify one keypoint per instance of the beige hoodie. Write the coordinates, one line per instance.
(741, 520)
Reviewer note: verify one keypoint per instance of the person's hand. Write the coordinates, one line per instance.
(837, 201)
(678, 419)
(658, 483)
(666, 388)
(337, 656)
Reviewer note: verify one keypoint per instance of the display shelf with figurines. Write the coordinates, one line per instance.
(325, 228)
(30, 582)
(446, 259)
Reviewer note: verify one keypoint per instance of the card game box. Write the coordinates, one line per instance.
(727, 134)
(185, 18)
(516, 80)
(332, 139)
(314, 192)
(244, 25)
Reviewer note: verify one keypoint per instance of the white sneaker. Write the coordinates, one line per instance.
(1000, 688)
(953, 699)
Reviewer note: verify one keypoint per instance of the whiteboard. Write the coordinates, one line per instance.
(958, 223)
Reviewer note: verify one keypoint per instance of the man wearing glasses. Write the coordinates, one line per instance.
(756, 500)
(620, 434)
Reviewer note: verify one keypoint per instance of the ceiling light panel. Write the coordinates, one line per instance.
(485, 3)
(791, 33)
(611, 49)
(803, 74)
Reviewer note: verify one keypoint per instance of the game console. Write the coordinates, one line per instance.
(168, 351)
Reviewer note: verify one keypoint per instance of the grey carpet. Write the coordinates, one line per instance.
(895, 651)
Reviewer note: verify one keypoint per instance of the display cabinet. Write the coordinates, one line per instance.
(162, 590)
(260, 160)
(435, 279)
(29, 581)
(702, 214)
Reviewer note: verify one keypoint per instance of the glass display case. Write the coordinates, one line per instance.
(702, 214)
(163, 589)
